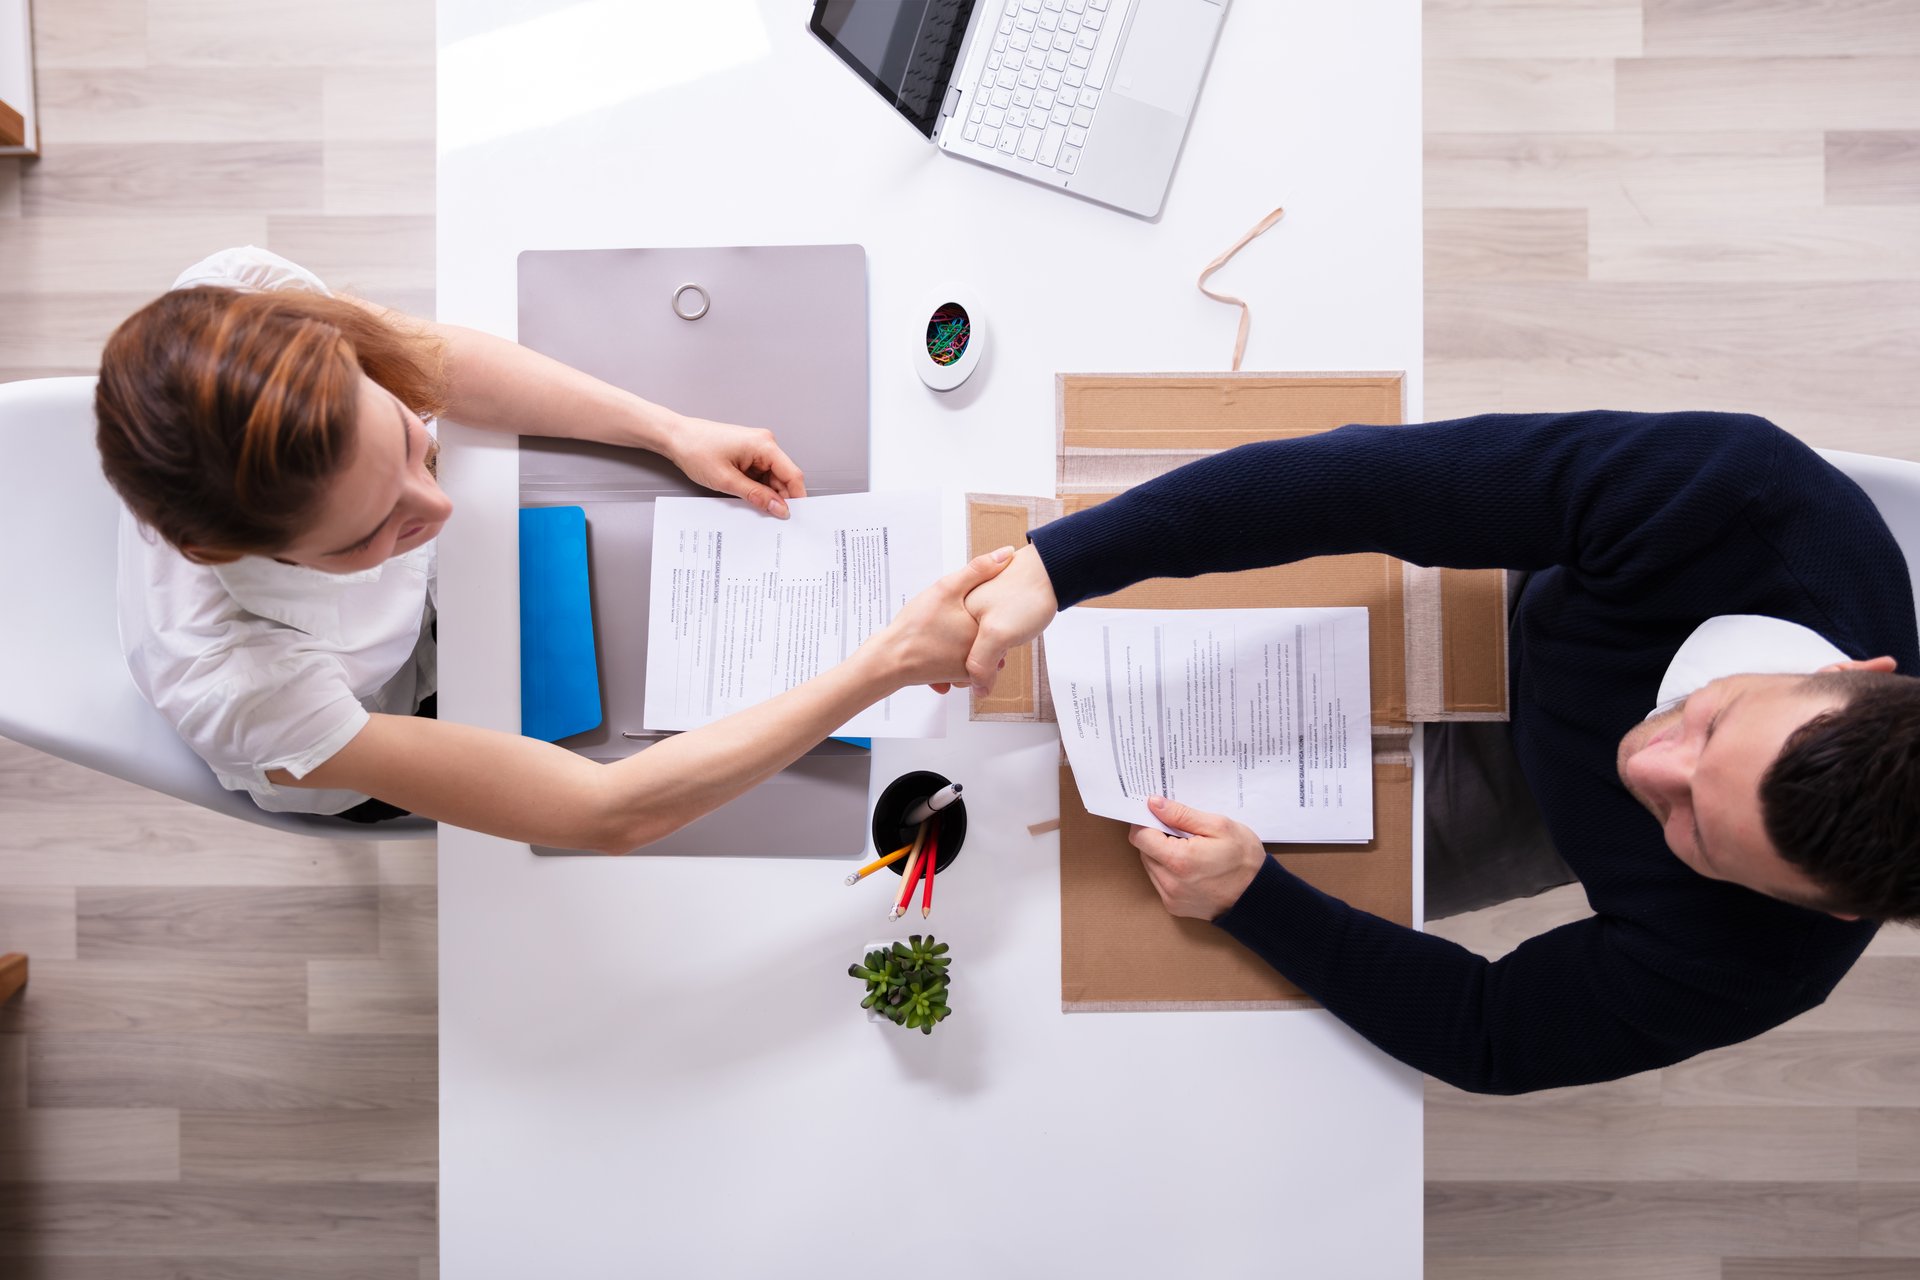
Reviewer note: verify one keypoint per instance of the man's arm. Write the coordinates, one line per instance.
(1578, 1004)
(1590, 1001)
(1616, 495)
(1612, 494)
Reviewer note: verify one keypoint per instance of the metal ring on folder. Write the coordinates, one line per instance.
(681, 307)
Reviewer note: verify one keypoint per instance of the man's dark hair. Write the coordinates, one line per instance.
(1842, 799)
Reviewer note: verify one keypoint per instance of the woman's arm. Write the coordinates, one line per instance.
(528, 790)
(498, 385)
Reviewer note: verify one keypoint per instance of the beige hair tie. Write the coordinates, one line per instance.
(1246, 312)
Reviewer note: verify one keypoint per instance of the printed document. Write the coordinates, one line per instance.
(745, 606)
(1260, 714)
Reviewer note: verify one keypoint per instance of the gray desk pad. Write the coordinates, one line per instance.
(782, 345)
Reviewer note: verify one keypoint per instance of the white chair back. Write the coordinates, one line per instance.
(64, 686)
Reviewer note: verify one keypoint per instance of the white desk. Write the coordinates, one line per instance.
(657, 1066)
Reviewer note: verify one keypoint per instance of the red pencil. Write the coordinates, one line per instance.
(920, 859)
(927, 855)
(926, 894)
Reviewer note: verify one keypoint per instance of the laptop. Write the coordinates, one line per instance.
(1089, 96)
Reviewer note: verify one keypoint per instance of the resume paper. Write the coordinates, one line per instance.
(746, 606)
(1260, 714)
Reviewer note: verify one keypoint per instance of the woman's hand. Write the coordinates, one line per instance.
(1011, 609)
(742, 461)
(928, 640)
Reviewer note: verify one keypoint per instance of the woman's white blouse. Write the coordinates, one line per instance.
(262, 665)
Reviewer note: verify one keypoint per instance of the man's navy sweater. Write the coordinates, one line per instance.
(1638, 528)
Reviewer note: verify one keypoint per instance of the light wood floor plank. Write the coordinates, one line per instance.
(409, 921)
(1890, 1220)
(379, 178)
(1813, 321)
(266, 1265)
(179, 104)
(1483, 95)
(409, 862)
(1873, 168)
(230, 1072)
(1816, 1269)
(1803, 1068)
(1889, 1144)
(138, 1220)
(224, 993)
(41, 921)
(392, 104)
(1634, 172)
(106, 178)
(1779, 28)
(61, 329)
(13, 1064)
(1532, 28)
(1880, 993)
(1453, 1105)
(1641, 1218)
(1895, 940)
(69, 826)
(399, 996)
(1698, 94)
(120, 923)
(1869, 417)
(1836, 243)
(376, 258)
(57, 1144)
(293, 33)
(123, 254)
(10, 186)
(188, 847)
(1584, 1142)
(1499, 929)
(310, 1146)
(99, 35)
(1562, 1267)
(1506, 244)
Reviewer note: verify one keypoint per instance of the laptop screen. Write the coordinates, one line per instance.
(904, 48)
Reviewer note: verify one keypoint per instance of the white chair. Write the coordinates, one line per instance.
(64, 686)
(1894, 487)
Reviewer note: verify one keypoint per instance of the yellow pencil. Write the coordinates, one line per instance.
(906, 881)
(855, 877)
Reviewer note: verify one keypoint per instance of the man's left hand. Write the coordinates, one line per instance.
(743, 461)
(1204, 874)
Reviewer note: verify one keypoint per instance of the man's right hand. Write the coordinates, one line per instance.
(1011, 609)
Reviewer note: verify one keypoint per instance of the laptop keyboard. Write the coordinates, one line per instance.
(1042, 83)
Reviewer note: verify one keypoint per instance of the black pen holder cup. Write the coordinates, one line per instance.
(891, 828)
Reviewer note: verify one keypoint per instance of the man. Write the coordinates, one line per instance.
(1739, 824)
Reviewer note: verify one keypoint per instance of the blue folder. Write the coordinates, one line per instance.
(559, 677)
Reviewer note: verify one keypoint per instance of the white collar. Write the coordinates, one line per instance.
(1743, 644)
(291, 594)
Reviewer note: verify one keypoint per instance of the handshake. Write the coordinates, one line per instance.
(957, 632)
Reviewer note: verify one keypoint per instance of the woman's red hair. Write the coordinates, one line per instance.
(223, 413)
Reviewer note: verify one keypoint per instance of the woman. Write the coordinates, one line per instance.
(274, 445)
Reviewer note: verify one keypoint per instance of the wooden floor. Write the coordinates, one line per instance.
(224, 1065)
(1643, 204)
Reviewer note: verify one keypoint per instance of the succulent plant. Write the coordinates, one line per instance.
(907, 983)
